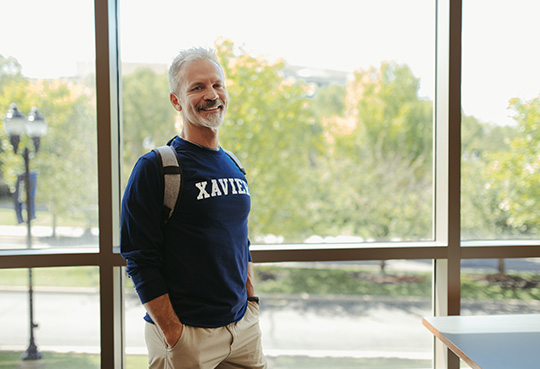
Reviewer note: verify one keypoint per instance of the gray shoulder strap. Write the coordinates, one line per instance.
(236, 161)
(172, 179)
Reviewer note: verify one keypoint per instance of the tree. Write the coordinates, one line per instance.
(329, 101)
(380, 157)
(481, 216)
(67, 160)
(270, 127)
(500, 188)
(12, 85)
(148, 117)
(516, 173)
(10, 70)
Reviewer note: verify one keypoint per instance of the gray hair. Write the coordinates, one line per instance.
(195, 53)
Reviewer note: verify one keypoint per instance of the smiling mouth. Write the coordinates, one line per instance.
(210, 107)
(215, 108)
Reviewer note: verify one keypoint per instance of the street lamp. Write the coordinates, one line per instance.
(15, 124)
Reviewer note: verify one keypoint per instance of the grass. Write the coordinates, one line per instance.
(83, 276)
(305, 362)
(49, 360)
(343, 281)
(52, 360)
(43, 218)
(271, 279)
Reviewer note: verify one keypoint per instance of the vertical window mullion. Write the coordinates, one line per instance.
(111, 304)
(447, 284)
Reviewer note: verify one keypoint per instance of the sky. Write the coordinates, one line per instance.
(500, 52)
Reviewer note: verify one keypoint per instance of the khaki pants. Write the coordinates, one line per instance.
(237, 345)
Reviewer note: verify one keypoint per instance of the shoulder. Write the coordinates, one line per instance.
(148, 161)
(146, 172)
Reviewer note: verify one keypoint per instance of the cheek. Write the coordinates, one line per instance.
(225, 100)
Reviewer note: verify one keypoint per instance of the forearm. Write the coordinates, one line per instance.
(163, 315)
(250, 286)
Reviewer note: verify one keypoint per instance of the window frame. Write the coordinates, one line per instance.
(447, 250)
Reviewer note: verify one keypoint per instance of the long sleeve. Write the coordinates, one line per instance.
(141, 230)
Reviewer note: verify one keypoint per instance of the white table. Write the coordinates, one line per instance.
(491, 341)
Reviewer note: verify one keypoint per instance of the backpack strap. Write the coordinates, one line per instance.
(236, 161)
(172, 179)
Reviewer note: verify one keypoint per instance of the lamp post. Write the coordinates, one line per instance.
(15, 124)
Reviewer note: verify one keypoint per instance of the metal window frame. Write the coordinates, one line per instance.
(447, 250)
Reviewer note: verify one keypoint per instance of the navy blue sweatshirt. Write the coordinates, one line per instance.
(201, 256)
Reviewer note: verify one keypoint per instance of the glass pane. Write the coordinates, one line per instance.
(500, 131)
(500, 286)
(136, 352)
(346, 315)
(330, 113)
(47, 61)
(65, 313)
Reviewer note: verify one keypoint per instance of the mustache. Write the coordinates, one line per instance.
(209, 104)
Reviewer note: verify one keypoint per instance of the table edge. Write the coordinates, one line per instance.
(455, 349)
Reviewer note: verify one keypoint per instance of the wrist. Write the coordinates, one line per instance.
(253, 299)
(172, 334)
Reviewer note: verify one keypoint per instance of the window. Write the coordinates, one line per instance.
(500, 286)
(65, 314)
(39, 70)
(352, 314)
(74, 104)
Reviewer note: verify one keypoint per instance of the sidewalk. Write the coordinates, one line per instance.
(15, 237)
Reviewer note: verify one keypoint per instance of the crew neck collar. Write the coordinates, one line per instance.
(198, 145)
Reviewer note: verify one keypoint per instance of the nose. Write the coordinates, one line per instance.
(211, 94)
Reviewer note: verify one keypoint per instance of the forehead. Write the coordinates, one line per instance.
(202, 70)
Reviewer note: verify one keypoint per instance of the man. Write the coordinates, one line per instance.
(194, 275)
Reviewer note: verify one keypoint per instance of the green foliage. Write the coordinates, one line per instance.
(10, 71)
(85, 276)
(342, 281)
(307, 362)
(67, 160)
(329, 101)
(377, 181)
(501, 176)
(12, 88)
(148, 117)
(516, 172)
(481, 216)
(525, 287)
(352, 160)
(270, 127)
(50, 360)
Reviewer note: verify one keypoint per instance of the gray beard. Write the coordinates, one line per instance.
(213, 123)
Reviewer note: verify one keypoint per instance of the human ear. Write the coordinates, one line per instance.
(175, 101)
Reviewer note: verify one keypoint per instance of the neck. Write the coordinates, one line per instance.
(202, 136)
